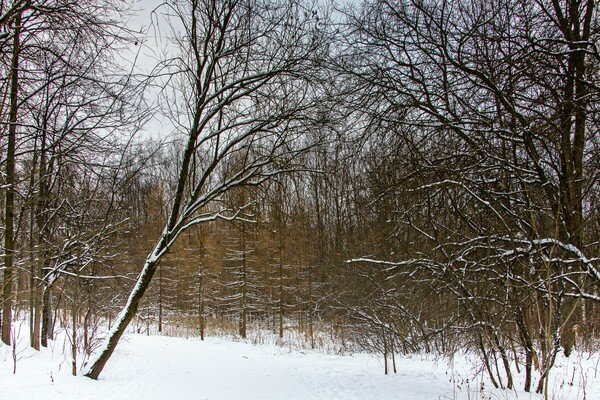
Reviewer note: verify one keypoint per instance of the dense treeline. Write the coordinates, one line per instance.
(411, 176)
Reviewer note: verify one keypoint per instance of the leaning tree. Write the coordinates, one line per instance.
(238, 95)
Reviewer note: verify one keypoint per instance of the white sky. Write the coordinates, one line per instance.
(151, 48)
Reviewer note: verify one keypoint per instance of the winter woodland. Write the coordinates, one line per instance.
(406, 193)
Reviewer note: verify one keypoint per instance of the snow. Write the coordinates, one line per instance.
(158, 367)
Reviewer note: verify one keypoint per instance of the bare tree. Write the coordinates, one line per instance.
(9, 201)
(491, 110)
(68, 96)
(241, 93)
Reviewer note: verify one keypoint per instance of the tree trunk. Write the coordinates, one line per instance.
(34, 339)
(42, 233)
(9, 205)
(128, 311)
(393, 353)
(486, 361)
(160, 300)
(201, 321)
(280, 268)
(37, 310)
(385, 351)
(47, 317)
(310, 315)
(244, 298)
(74, 312)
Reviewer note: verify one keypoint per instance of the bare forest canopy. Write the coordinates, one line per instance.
(414, 175)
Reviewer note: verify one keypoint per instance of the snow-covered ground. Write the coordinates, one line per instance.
(157, 367)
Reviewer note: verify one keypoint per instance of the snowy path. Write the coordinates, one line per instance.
(156, 368)
(173, 368)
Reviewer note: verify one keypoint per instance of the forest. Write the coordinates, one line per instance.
(403, 177)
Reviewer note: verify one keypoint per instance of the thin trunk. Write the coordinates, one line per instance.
(528, 364)
(74, 341)
(201, 320)
(244, 313)
(38, 299)
(486, 361)
(505, 361)
(87, 344)
(9, 205)
(385, 351)
(41, 265)
(160, 300)
(310, 310)
(527, 346)
(393, 353)
(280, 268)
(244, 299)
(47, 331)
(497, 369)
(33, 336)
(74, 312)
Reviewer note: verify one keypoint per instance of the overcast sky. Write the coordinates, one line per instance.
(146, 55)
